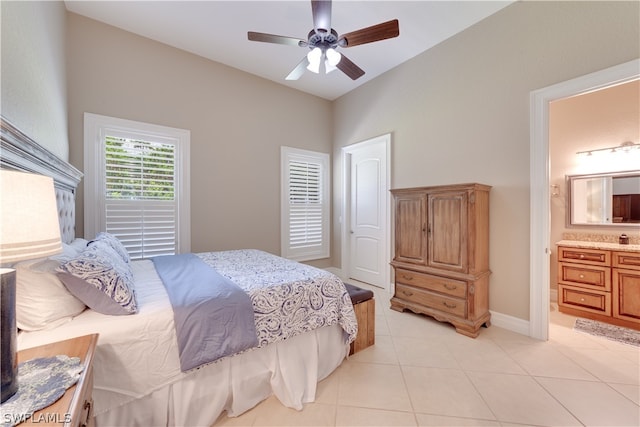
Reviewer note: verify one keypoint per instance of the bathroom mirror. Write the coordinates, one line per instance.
(606, 199)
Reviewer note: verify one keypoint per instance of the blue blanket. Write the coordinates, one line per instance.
(213, 316)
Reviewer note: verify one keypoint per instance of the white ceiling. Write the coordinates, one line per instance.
(218, 30)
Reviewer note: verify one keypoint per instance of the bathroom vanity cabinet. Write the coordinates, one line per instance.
(600, 281)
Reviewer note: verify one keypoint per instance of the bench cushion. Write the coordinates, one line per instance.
(357, 294)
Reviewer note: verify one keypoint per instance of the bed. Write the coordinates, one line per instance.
(302, 317)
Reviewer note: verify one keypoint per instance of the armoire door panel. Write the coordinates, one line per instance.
(410, 227)
(447, 230)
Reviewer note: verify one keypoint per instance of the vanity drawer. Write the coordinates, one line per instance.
(583, 299)
(630, 260)
(455, 288)
(584, 256)
(433, 300)
(585, 276)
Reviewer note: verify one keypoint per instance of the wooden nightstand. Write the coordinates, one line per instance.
(75, 408)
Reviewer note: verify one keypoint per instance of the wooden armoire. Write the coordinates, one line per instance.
(441, 260)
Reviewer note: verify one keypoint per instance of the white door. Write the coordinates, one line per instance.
(369, 198)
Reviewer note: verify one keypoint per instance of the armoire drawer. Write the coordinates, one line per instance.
(583, 299)
(584, 256)
(433, 300)
(587, 276)
(629, 260)
(455, 288)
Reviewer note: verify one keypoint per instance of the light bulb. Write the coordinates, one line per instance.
(333, 57)
(314, 60)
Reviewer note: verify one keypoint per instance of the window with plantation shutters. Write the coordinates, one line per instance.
(138, 188)
(305, 204)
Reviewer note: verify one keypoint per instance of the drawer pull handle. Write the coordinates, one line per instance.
(582, 276)
(407, 293)
(446, 304)
(405, 277)
(581, 256)
(449, 286)
(581, 299)
(88, 408)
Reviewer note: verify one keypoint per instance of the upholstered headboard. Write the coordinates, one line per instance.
(19, 152)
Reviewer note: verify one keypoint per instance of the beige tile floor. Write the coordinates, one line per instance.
(421, 373)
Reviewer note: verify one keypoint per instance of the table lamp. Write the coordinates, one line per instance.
(29, 229)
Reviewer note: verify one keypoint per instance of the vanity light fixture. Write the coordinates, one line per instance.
(625, 147)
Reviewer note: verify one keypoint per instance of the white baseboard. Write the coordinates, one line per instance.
(510, 323)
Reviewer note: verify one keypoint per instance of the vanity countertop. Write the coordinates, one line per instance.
(599, 245)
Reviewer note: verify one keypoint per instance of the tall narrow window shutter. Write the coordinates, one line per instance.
(305, 205)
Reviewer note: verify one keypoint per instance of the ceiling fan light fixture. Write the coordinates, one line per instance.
(322, 41)
(314, 57)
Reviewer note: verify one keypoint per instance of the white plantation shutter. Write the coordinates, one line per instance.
(140, 204)
(305, 204)
(139, 187)
(145, 229)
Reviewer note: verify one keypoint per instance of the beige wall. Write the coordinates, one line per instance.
(460, 113)
(600, 119)
(457, 113)
(237, 121)
(34, 92)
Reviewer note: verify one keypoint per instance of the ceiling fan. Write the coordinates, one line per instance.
(323, 40)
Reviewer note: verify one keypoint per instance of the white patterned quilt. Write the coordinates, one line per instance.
(289, 298)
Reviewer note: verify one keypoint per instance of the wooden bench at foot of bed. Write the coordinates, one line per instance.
(364, 306)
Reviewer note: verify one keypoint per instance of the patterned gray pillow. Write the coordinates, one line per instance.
(112, 241)
(101, 279)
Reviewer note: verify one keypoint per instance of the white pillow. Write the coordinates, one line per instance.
(42, 301)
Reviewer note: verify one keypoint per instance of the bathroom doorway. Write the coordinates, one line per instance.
(540, 186)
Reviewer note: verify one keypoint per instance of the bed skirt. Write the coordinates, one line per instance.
(289, 369)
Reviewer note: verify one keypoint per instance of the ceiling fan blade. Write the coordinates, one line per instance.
(386, 30)
(299, 70)
(272, 38)
(349, 68)
(321, 11)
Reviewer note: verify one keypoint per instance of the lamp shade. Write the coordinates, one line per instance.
(29, 226)
(28, 229)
